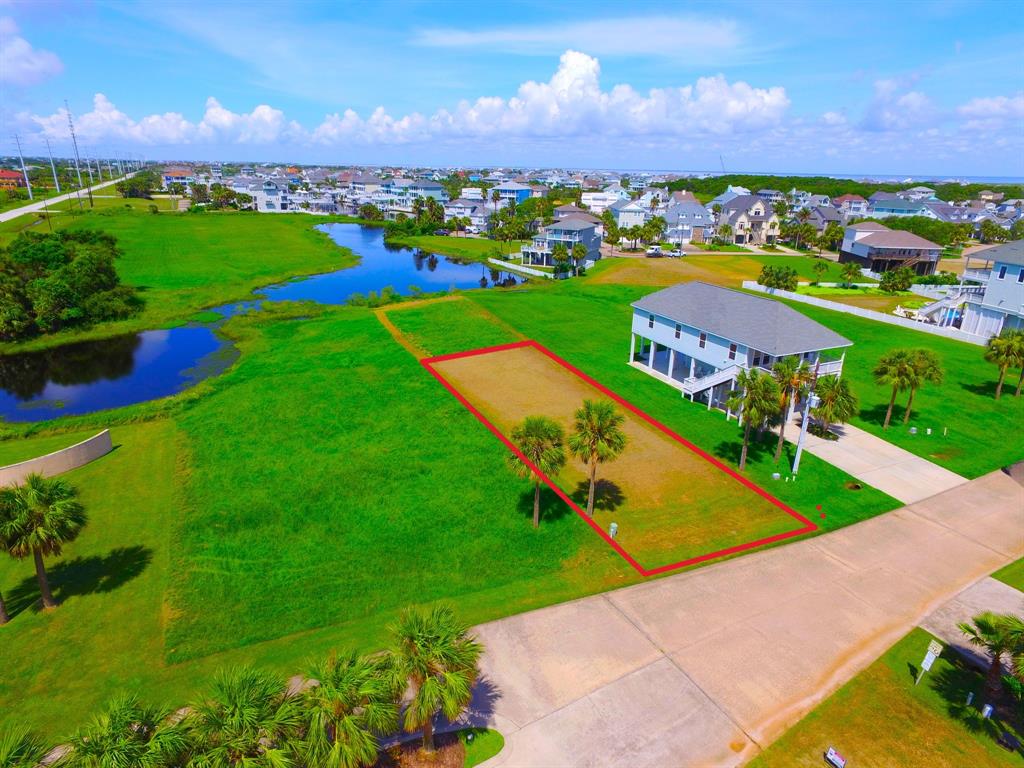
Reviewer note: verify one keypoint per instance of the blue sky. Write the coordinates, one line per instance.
(885, 88)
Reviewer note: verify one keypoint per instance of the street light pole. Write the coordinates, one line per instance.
(812, 401)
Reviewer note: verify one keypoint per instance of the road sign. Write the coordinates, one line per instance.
(929, 659)
(935, 647)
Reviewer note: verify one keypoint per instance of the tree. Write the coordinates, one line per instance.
(579, 255)
(200, 194)
(250, 720)
(1004, 351)
(895, 369)
(756, 399)
(435, 658)
(991, 232)
(716, 211)
(20, 748)
(370, 212)
(1017, 230)
(597, 438)
(783, 278)
(793, 377)
(998, 636)
(781, 208)
(820, 269)
(541, 441)
(127, 733)
(1016, 337)
(896, 280)
(495, 198)
(832, 235)
(345, 711)
(927, 368)
(850, 272)
(39, 517)
(560, 257)
(836, 402)
(724, 233)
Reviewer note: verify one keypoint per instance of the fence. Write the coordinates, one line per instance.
(63, 460)
(526, 270)
(949, 333)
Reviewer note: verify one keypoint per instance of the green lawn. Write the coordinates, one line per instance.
(38, 193)
(187, 262)
(460, 247)
(1013, 574)
(13, 451)
(881, 719)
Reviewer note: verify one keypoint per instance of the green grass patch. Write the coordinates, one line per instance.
(205, 316)
(465, 248)
(481, 744)
(725, 248)
(880, 718)
(13, 451)
(1013, 574)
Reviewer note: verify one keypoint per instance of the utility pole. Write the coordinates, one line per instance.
(74, 142)
(53, 167)
(88, 167)
(24, 173)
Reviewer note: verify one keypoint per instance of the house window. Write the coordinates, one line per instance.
(679, 328)
(703, 340)
(650, 321)
(1002, 272)
(732, 351)
(1020, 276)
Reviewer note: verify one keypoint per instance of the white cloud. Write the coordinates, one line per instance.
(994, 107)
(20, 63)
(894, 107)
(833, 118)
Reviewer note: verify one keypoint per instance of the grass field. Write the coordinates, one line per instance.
(866, 298)
(460, 247)
(723, 269)
(881, 719)
(670, 504)
(13, 451)
(1013, 574)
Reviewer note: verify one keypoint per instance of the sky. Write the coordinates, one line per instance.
(867, 88)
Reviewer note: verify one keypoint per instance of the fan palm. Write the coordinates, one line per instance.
(927, 368)
(127, 733)
(793, 378)
(40, 517)
(896, 369)
(850, 272)
(756, 398)
(597, 438)
(250, 719)
(540, 440)
(1002, 352)
(344, 712)
(20, 748)
(435, 660)
(998, 636)
(1016, 338)
(836, 402)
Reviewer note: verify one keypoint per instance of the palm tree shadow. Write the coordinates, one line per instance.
(552, 507)
(954, 684)
(608, 496)
(757, 448)
(95, 574)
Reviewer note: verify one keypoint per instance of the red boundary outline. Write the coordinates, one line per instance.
(807, 526)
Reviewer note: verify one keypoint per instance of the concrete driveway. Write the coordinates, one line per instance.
(705, 668)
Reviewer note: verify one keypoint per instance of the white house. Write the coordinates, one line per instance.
(1001, 306)
(697, 337)
(630, 213)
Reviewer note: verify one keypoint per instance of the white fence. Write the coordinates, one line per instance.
(526, 270)
(63, 460)
(949, 333)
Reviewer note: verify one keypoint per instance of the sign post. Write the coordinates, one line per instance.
(934, 649)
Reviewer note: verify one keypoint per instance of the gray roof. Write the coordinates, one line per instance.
(761, 323)
(1008, 253)
(569, 224)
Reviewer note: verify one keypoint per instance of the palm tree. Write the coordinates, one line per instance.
(350, 705)
(495, 197)
(793, 377)
(1016, 337)
(1002, 351)
(724, 232)
(597, 437)
(820, 268)
(40, 517)
(927, 368)
(756, 398)
(850, 272)
(250, 719)
(895, 369)
(435, 660)
(836, 402)
(127, 733)
(20, 748)
(997, 635)
(540, 440)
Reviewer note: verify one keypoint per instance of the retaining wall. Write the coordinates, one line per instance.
(55, 463)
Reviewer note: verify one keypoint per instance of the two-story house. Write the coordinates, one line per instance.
(630, 213)
(851, 206)
(513, 192)
(697, 337)
(567, 232)
(874, 246)
(477, 211)
(752, 219)
(1001, 306)
(688, 222)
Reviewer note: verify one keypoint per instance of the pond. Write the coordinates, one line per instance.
(83, 377)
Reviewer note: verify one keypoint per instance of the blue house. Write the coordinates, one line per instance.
(1001, 306)
(514, 192)
(697, 337)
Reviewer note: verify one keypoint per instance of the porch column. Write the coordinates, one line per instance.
(693, 366)
(671, 361)
(650, 360)
(632, 346)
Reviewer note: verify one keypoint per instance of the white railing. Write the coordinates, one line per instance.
(692, 386)
(526, 270)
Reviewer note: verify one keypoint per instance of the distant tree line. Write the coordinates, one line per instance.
(60, 280)
(142, 184)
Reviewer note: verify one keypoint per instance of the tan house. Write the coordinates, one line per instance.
(752, 220)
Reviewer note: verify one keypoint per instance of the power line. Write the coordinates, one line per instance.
(74, 141)
(53, 167)
(23, 171)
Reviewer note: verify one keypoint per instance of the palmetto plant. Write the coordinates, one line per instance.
(20, 748)
(344, 712)
(927, 368)
(541, 441)
(850, 272)
(249, 719)
(895, 369)
(38, 518)
(793, 377)
(836, 402)
(1004, 351)
(597, 437)
(127, 733)
(756, 398)
(999, 636)
(435, 659)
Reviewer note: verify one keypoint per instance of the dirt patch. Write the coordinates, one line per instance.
(722, 269)
(450, 753)
(670, 503)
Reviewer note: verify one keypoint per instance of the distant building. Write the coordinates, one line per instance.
(874, 246)
(514, 192)
(11, 179)
(567, 232)
(177, 175)
(851, 206)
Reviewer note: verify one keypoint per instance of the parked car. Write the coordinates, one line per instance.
(655, 251)
(473, 230)
(440, 231)
(675, 252)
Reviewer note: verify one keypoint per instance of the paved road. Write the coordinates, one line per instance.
(899, 473)
(704, 668)
(38, 206)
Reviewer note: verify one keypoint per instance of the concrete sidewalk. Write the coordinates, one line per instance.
(705, 668)
(899, 473)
